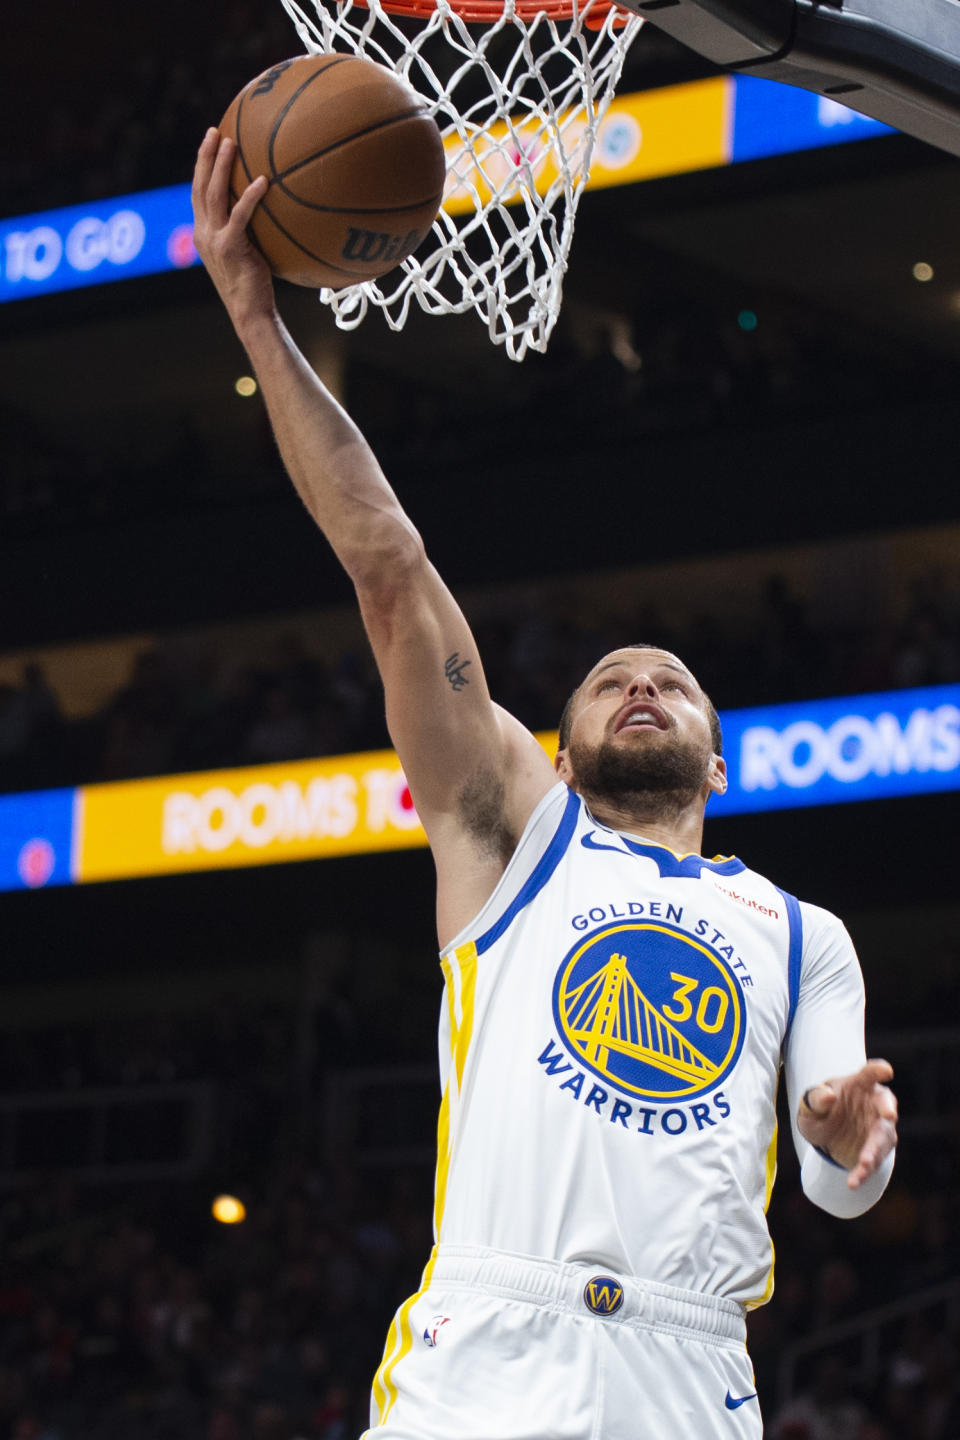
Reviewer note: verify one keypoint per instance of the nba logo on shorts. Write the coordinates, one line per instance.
(603, 1295)
(431, 1334)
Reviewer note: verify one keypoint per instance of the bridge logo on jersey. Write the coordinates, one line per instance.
(603, 1295)
(651, 1010)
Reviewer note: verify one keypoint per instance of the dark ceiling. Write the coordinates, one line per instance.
(820, 246)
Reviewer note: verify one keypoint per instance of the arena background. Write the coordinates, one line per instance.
(742, 443)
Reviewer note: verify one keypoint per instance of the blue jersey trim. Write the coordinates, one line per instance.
(671, 866)
(540, 874)
(679, 867)
(795, 955)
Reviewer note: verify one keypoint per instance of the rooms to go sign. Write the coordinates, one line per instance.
(103, 240)
(38, 253)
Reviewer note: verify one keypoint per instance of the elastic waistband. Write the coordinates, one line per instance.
(580, 1289)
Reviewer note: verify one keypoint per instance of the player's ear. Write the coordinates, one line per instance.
(562, 766)
(717, 775)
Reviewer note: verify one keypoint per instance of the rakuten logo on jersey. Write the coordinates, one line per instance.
(850, 749)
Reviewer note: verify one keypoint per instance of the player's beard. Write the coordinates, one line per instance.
(652, 780)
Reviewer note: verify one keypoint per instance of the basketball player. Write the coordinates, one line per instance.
(618, 1008)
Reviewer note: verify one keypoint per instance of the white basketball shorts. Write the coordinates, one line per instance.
(506, 1347)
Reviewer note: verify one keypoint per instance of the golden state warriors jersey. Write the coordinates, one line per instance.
(614, 1024)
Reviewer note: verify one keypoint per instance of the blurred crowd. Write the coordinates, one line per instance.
(141, 129)
(126, 1311)
(184, 708)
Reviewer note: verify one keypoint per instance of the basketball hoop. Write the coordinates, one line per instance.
(519, 89)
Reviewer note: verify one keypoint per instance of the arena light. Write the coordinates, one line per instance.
(922, 271)
(228, 1210)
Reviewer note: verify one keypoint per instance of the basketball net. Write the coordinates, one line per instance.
(519, 93)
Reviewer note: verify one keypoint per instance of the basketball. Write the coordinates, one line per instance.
(355, 165)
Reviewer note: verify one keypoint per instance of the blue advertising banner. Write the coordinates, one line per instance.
(857, 747)
(87, 244)
(36, 836)
(772, 119)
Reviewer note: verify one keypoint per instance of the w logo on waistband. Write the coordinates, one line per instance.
(603, 1295)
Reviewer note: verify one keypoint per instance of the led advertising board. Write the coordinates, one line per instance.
(772, 119)
(779, 757)
(88, 244)
(696, 126)
(856, 747)
(36, 836)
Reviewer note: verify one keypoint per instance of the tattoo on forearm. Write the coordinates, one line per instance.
(453, 669)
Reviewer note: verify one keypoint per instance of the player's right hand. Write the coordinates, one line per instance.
(236, 267)
(853, 1118)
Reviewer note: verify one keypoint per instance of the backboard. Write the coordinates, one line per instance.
(896, 60)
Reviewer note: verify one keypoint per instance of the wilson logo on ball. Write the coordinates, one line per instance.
(369, 246)
(265, 84)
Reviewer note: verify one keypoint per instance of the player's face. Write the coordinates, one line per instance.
(640, 723)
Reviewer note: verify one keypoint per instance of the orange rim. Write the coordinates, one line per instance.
(487, 12)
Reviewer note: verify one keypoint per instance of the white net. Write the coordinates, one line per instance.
(519, 102)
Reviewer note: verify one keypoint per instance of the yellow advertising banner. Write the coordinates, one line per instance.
(258, 815)
(255, 816)
(649, 133)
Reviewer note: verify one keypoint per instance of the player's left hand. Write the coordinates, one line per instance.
(853, 1118)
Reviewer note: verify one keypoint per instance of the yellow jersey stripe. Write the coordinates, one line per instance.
(771, 1175)
(467, 960)
(443, 1161)
(450, 986)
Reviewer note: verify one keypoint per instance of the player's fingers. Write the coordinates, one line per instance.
(820, 1099)
(218, 204)
(204, 164)
(248, 202)
(885, 1103)
(877, 1070)
(880, 1141)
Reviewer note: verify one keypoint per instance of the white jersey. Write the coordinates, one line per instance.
(614, 1024)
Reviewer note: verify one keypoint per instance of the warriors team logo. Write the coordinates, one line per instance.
(603, 1295)
(651, 1010)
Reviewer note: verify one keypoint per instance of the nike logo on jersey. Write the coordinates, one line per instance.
(589, 843)
(671, 866)
(734, 1404)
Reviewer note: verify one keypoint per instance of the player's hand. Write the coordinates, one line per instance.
(853, 1118)
(236, 267)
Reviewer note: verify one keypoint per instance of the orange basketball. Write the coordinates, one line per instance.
(355, 163)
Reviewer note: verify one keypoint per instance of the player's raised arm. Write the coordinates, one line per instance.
(474, 772)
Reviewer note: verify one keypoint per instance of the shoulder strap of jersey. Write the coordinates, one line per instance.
(540, 874)
(795, 952)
